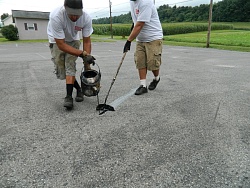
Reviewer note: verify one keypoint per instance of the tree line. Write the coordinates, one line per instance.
(223, 11)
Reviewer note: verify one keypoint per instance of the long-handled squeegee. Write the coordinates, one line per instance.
(105, 107)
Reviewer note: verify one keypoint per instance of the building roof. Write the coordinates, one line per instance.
(10, 16)
(30, 14)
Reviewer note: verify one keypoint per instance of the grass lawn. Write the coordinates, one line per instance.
(236, 40)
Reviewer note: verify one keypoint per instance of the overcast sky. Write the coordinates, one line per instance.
(96, 8)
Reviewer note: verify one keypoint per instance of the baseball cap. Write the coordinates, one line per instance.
(73, 7)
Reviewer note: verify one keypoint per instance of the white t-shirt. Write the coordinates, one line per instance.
(61, 27)
(145, 11)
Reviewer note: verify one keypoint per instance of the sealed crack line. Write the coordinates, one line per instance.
(216, 113)
(121, 99)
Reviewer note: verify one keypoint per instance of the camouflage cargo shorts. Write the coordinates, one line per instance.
(64, 63)
(148, 55)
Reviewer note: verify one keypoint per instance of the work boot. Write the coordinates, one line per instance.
(68, 102)
(153, 84)
(141, 90)
(79, 96)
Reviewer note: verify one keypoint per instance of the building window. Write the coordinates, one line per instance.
(32, 27)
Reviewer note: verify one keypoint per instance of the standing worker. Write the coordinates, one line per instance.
(64, 25)
(148, 33)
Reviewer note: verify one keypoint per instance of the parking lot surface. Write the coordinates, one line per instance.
(193, 130)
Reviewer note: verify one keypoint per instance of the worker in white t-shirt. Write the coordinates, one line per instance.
(147, 31)
(65, 24)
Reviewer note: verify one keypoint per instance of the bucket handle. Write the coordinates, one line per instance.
(93, 65)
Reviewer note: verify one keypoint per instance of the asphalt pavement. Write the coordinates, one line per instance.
(193, 130)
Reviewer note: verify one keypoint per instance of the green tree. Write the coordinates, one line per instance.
(10, 32)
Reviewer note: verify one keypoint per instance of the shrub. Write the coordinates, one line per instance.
(10, 32)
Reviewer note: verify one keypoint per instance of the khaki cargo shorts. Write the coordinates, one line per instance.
(64, 63)
(148, 55)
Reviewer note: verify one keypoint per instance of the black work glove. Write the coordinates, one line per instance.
(87, 58)
(127, 46)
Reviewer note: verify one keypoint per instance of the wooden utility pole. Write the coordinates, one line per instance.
(209, 22)
(110, 16)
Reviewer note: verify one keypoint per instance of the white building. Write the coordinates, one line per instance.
(8, 21)
(30, 24)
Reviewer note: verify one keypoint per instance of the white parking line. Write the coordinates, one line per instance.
(41, 56)
(226, 66)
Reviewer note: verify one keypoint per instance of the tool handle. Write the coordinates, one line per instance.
(123, 57)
